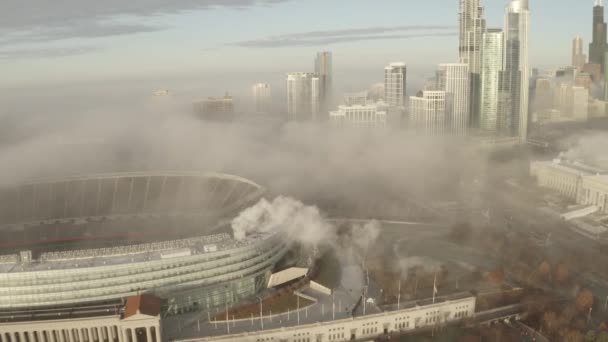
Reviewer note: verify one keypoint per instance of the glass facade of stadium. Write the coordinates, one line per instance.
(191, 282)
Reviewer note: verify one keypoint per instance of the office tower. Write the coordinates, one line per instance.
(595, 70)
(491, 65)
(543, 99)
(578, 57)
(363, 116)
(428, 112)
(515, 77)
(323, 68)
(302, 96)
(215, 108)
(583, 79)
(472, 28)
(454, 80)
(261, 97)
(395, 77)
(598, 43)
(580, 103)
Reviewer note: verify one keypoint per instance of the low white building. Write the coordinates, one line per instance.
(367, 116)
(594, 191)
(411, 317)
(138, 322)
(563, 176)
(428, 112)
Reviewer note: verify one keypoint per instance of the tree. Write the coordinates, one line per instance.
(602, 337)
(550, 321)
(562, 273)
(573, 336)
(584, 301)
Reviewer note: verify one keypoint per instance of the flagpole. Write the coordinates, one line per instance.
(399, 295)
(434, 287)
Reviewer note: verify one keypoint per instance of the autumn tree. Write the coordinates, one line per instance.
(584, 301)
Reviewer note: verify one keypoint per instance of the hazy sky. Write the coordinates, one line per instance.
(58, 41)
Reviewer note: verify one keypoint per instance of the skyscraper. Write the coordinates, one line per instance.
(395, 78)
(261, 97)
(428, 112)
(598, 44)
(515, 77)
(472, 27)
(323, 68)
(302, 96)
(454, 80)
(578, 57)
(491, 66)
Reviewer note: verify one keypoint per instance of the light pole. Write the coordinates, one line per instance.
(261, 313)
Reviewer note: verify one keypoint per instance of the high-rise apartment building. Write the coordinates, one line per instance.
(428, 112)
(597, 48)
(262, 97)
(515, 77)
(323, 68)
(578, 57)
(491, 66)
(395, 78)
(215, 108)
(454, 80)
(472, 28)
(303, 96)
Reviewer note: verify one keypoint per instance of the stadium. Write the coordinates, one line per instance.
(93, 241)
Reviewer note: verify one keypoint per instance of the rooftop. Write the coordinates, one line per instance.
(125, 254)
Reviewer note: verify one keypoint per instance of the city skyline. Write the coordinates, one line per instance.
(37, 50)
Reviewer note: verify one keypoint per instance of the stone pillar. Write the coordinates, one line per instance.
(133, 335)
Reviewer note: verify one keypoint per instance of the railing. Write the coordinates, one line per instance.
(134, 249)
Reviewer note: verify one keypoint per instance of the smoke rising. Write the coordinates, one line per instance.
(302, 223)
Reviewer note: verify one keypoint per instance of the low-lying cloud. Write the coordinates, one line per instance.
(326, 37)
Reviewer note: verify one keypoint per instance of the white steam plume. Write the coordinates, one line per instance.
(302, 223)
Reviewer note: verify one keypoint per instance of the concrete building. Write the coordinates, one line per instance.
(324, 70)
(580, 103)
(515, 78)
(594, 191)
(395, 84)
(595, 70)
(262, 97)
(598, 45)
(428, 112)
(364, 116)
(454, 79)
(563, 176)
(491, 65)
(303, 91)
(215, 108)
(543, 96)
(472, 27)
(412, 316)
(137, 321)
(583, 79)
(578, 57)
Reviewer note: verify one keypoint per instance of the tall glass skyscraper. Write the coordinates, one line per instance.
(598, 44)
(302, 96)
(454, 80)
(472, 27)
(515, 77)
(491, 66)
(323, 68)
